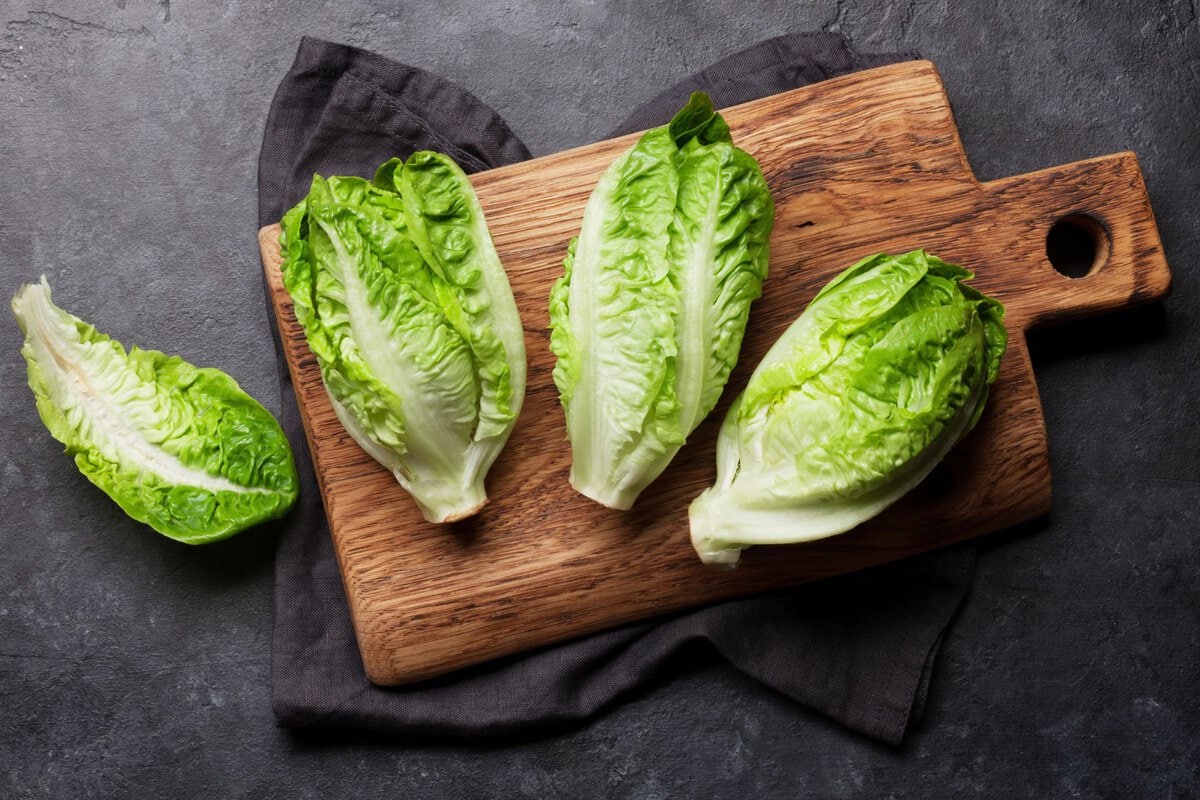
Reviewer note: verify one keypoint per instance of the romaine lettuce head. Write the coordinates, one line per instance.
(649, 316)
(404, 302)
(178, 447)
(853, 406)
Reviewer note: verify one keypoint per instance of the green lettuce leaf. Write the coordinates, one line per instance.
(648, 317)
(404, 302)
(449, 230)
(884, 372)
(178, 447)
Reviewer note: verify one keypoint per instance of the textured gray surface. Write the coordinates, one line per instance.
(133, 666)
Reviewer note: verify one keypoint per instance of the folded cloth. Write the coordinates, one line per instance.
(858, 648)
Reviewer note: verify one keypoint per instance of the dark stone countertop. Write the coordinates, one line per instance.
(131, 666)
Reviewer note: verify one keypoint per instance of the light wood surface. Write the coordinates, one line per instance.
(865, 163)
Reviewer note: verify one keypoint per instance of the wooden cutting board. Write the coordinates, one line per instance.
(865, 163)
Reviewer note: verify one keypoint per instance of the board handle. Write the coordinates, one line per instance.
(1093, 219)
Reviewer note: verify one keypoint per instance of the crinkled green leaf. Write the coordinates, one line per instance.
(178, 447)
(698, 124)
(619, 318)
(404, 303)
(648, 318)
(563, 343)
(448, 228)
(861, 397)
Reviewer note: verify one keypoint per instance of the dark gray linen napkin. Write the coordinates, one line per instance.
(859, 649)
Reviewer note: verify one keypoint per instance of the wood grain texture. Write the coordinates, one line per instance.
(865, 163)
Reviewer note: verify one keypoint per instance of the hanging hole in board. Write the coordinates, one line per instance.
(1077, 245)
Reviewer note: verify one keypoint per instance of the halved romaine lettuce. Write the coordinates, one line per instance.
(853, 406)
(649, 316)
(180, 448)
(404, 302)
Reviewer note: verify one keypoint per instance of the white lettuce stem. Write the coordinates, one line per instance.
(705, 537)
(444, 503)
(604, 492)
